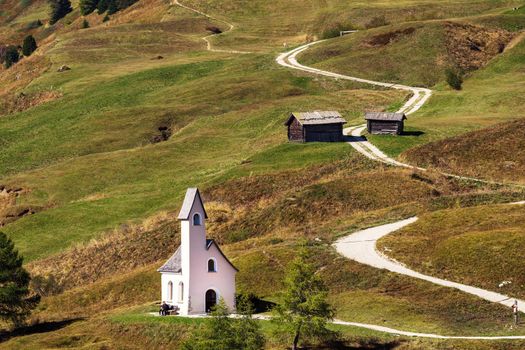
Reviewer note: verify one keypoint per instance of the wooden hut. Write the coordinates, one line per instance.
(317, 126)
(385, 123)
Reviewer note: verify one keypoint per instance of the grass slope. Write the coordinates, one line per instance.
(494, 153)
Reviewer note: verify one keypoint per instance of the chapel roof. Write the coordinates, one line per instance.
(173, 264)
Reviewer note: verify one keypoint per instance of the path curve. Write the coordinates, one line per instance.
(361, 246)
(207, 37)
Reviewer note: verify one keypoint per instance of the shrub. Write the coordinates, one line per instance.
(105, 19)
(46, 286)
(378, 21)
(85, 24)
(34, 24)
(112, 7)
(59, 9)
(11, 56)
(223, 332)
(335, 29)
(213, 29)
(29, 46)
(122, 4)
(454, 78)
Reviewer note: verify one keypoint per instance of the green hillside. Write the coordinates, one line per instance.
(95, 160)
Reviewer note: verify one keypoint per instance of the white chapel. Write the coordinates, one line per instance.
(198, 275)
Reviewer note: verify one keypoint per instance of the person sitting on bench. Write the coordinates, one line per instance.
(164, 308)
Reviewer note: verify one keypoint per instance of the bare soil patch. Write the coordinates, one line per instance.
(9, 209)
(390, 37)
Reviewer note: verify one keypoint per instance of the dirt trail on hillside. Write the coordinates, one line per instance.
(207, 37)
(517, 39)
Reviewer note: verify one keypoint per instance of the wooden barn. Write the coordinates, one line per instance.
(385, 123)
(317, 126)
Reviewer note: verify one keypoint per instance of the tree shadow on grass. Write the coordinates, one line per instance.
(350, 138)
(43, 327)
(412, 133)
(370, 345)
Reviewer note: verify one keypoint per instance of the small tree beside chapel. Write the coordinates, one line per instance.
(304, 311)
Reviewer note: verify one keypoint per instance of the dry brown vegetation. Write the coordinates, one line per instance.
(496, 153)
(22, 101)
(270, 207)
(472, 47)
(123, 250)
(21, 74)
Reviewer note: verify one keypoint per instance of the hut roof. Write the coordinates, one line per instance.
(316, 117)
(398, 117)
(189, 199)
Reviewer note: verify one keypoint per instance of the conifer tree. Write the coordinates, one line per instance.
(87, 6)
(112, 7)
(305, 310)
(16, 301)
(29, 46)
(59, 9)
(102, 6)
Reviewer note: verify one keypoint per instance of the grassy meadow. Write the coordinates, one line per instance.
(146, 112)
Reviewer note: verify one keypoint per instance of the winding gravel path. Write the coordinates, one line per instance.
(361, 246)
(419, 97)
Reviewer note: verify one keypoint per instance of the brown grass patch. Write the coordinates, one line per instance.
(22, 101)
(495, 153)
(120, 251)
(22, 74)
(472, 47)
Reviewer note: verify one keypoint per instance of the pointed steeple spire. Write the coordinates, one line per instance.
(192, 194)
